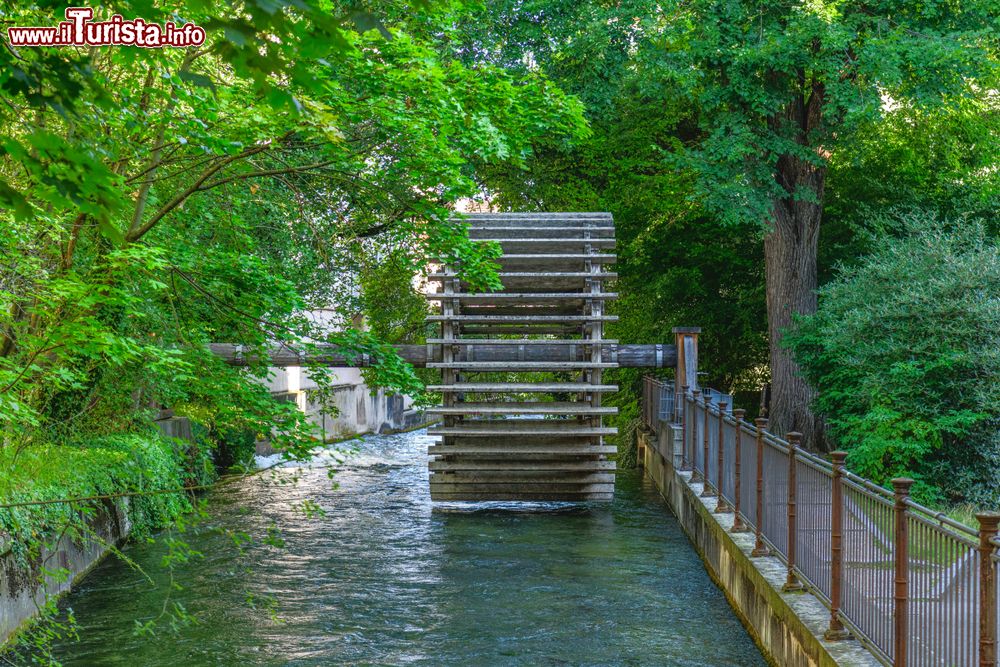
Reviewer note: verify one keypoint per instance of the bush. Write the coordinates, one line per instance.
(91, 467)
(904, 353)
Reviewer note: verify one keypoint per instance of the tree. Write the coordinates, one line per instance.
(677, 264)
(904, 348)
(780, 88)
(157, 200)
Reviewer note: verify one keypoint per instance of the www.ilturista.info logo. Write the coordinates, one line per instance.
(79, 30)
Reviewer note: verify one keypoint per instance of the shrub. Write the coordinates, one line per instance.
(95, 466)
(904, 353)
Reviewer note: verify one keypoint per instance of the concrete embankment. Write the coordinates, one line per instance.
(23, 589)
(788, 627)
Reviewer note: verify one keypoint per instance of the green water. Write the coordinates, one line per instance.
(387, 578)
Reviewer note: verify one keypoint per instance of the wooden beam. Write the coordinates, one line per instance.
(627, 356)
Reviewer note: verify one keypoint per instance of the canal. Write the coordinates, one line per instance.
(386, 578)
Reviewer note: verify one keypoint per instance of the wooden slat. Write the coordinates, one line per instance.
(604, 275)
(516, 487)
(520, 476)
(495, 349)
(478, 430)
(522, 319)
(521, 296)
(514, 215)
(536, 242)
(555, 465)
(522, 387)
(511, 221)
(516, 366)
(490, 342)
(569, 443)
(603, 258)
(542, 229)
(522, 497)
(525, 450)
(519, 408)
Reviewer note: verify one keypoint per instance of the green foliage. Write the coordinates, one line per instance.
(94, 466)
(629, 422)
(157, 202)
(35, 642)
(235, 448)
(904, 353)
(677, 264)
(782, 87)
(389, 294)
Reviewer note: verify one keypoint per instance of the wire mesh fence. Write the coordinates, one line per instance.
(658, 403)
(916, 587)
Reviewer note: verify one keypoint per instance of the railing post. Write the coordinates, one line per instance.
(646, 400)
(696, 475)
(738, 525)
(792, 582)
(988, 528)
(836, 630)
(759, 548)
(706, 487)
(901, 588)
(686, 371)
(721, 506)
(681, 400)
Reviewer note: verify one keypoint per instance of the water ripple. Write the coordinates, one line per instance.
(387, 578)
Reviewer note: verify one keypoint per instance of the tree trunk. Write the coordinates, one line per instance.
(790, 262)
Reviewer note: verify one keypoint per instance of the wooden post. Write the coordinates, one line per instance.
(682, 400)
(706, 488)
(696, 475)
(738, 525)
(686, 373)
(988, 528)
(792, 582)
(901, 587)
(759, 548)
(836, 630)
(721, 506)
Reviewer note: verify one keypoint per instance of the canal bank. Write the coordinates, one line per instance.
(386, 577)
(787, 626)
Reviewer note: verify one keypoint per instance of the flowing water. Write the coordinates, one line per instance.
(387, 578)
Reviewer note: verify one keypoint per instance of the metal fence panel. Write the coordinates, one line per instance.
(748, 476)
(775, 523)
(728, 488)
(813, 491)
(868, 566)
(712, 472)
(943, 595)
(697, 436)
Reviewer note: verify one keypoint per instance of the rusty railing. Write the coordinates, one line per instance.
(916, 587)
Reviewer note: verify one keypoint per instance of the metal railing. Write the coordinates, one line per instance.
(658, 404)
(918, 588)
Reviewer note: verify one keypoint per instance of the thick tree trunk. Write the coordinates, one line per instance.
(790, 260)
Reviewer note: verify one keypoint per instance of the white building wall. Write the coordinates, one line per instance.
(353, 410)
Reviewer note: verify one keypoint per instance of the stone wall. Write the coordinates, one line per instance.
(788, 627)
